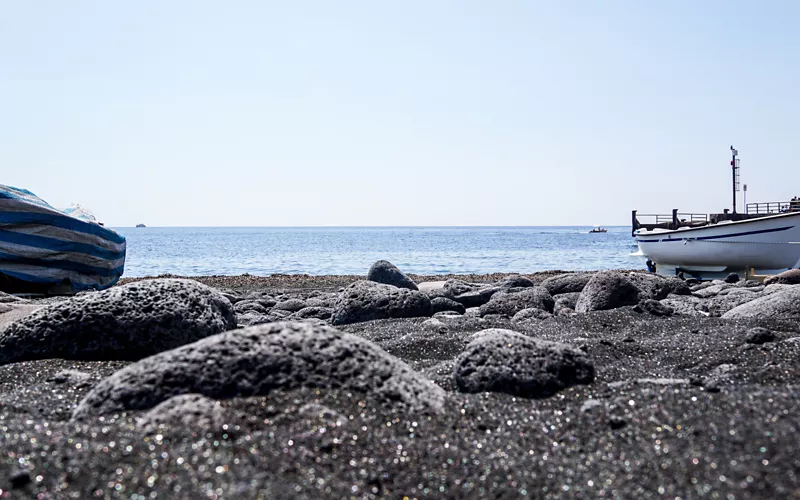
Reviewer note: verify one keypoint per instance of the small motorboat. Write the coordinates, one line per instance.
(598, 229)
(140, 225)
(765, 237)
(50, 251)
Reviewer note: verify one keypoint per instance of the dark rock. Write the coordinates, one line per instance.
(784, 304)
(656, 287)
(440, 304)
(656, 308)
(387, 273)
(509, 304)
(710, 291)
(514, 281)
(291, 305)
(257, 360)
(530, 314)
(759, 335)
(499, 360)
(607, 290)
(126, 322)
(790, 277)
(616, 422)
(732, 278)
(323, 313)
(567, 283)
(19, 479)
(367, 300)
(565, 300)
(724, 302)
(192, 413)
(249, 306)
(467, 294)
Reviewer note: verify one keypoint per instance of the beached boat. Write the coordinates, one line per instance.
(598, 229)
(45, 250)
(765, 237)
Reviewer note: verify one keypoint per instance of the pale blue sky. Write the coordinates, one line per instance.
(403, 113)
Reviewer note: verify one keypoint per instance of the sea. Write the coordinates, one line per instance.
(262, 251)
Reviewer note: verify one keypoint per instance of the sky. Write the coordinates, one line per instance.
(319, 113)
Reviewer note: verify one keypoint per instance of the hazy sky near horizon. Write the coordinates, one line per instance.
(263, 113)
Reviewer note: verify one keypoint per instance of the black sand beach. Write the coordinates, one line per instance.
(616, 385)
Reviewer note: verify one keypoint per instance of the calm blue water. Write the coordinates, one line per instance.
(349, 250)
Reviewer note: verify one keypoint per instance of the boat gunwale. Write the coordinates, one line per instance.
(659, 231)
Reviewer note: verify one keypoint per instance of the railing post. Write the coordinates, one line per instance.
(634, 222)
(674, 218)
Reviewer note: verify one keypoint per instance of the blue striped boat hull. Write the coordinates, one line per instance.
(46, 248)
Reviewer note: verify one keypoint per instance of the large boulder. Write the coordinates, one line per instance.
(607, 290)
(567, 283)
(515, 281)
(367, 300)
(724, 302)
(780, 305)
(790, 277)
(257, 360)
(509, 304)
(656, 287)
(387, 273)
(499, 360)
(126, 322)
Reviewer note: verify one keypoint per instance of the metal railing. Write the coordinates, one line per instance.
(668, 218)
(773, 207)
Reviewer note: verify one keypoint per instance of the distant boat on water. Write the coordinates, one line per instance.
(140, 225)
(598, 229)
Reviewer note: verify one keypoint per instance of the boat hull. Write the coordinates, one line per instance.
(764, 243)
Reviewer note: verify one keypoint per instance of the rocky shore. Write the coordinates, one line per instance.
(612, 384)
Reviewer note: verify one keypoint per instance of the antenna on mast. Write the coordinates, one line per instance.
(735, 172)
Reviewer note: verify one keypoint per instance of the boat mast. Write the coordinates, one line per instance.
(735, 173)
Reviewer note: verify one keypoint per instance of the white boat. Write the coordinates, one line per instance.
(765, 237)
(771, 242)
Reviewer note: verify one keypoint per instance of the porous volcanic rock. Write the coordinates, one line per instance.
(515, 281)
(323, 313)
(790, 277)
(249, 306)
(387, 273)
(656, 287)
(784, 304)
(567, 283)
(607, 290)
(759, 335)
(509, 304)
(256, 360)
(531, 314)
(499, 360)
(367, 300)
(291, 305)
(126, 322)
(440, 304)
(655, 308)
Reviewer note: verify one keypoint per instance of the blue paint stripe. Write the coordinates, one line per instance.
(75, 286)
(37, 241)
(65, 265)
(705, 238)
(61, 221)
